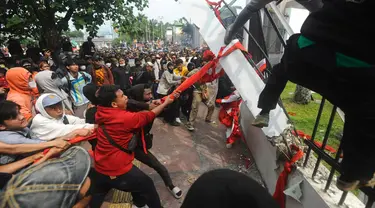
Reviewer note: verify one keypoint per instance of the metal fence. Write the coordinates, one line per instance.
(333, 161)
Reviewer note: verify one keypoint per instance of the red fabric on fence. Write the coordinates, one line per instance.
(216, 6)
(302, 134)
(279, 195)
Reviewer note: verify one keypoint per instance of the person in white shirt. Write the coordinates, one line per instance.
(51, 121)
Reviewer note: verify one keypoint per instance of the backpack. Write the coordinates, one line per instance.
(69, 87)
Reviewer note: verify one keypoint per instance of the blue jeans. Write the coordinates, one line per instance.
(54, 183)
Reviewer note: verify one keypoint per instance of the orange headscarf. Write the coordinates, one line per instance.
(19, 91)
(18, 80)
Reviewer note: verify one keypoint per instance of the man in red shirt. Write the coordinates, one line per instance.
(114, 167)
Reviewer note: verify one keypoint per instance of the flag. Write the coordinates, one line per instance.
(262, 65)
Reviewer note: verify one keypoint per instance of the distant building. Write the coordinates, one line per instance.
(100, 42)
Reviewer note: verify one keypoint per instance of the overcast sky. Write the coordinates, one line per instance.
(169, 10)
(165, 10)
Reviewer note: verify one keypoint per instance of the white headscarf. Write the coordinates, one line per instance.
(40, 109)
(49, 85)
(46, 127)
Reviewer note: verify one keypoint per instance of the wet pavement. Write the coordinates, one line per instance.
(187, 155)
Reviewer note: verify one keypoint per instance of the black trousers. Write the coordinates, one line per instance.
(350, 88)
(135, 181)
(172, 111)
(186, 100)
(151, 161)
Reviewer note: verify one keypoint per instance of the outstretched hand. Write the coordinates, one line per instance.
(169, 100)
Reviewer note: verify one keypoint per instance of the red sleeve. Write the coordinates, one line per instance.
(141, 119)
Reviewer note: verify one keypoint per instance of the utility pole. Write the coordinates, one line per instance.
(161, 27)
(146, 33)
(152, 28)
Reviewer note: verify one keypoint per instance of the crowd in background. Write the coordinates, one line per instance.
(50, 97)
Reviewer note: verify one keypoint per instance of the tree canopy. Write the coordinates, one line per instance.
(45, 20)
(142, 28)
(74, 34)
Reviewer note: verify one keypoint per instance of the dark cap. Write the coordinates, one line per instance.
(70, 62)
(97, 58)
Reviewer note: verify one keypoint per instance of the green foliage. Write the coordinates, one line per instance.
(28, 42)
(49, 18)
(74, 34)
(117, 42)
(142, 28)
(305, 116)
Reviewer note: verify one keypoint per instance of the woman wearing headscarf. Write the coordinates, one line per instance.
(48, 82)
(143, 93)
(21, 85)
(167, 84)
(51, 121)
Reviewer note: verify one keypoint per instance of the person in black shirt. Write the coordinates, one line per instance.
(332, 56)
(122, 75)
(88, 47)
(146, 75)
(67, 45)
(143, 93)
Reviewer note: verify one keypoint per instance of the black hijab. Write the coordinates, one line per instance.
(137, 91)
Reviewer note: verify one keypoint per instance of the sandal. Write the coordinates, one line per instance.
(176, 192)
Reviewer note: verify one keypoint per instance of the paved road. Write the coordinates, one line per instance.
(189, 154)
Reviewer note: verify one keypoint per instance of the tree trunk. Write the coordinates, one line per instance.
(52, 38)
(302, 95)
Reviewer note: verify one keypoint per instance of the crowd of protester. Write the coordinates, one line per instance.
(48, 99)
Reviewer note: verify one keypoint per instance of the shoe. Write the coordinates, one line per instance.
(133, 206)
(344, 185)
(190, 127)
(229, 145)
(178, 120)
(261, 120)
(174, 123)
(176, 192)
(210, 122)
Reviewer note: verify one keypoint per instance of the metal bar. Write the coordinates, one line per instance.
(278, 2)
(326, 157)
(281, 18)
(326, 136)
(267, 60)
(370, 202)
(251, 36)
(333, 170)
(343, 197)
(370, 192)
(317, 121)
(256, 42)
(329, 127)
(275, 27)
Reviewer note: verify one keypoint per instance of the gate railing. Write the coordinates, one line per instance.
(333, 162)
